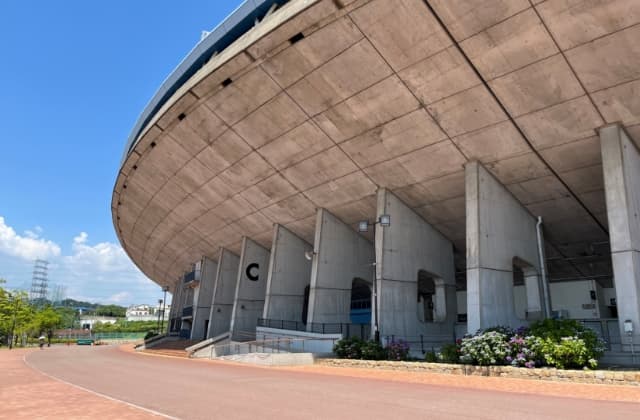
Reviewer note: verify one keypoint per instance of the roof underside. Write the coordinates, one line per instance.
(388, 94)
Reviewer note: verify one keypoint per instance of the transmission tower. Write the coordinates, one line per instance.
(39, 281)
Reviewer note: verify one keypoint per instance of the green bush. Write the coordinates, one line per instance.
(372, 350)
(349, 348)
(450, 353)
(487, 348)
(150, 334)
(431, 357)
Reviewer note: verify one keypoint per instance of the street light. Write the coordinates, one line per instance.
(165, 289)
(363, 226)
(159, 306)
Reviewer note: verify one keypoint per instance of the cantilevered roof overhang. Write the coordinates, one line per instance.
(325, 101)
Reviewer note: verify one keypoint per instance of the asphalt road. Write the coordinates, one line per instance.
(190, 389)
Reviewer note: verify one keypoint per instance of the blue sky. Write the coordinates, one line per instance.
(74, 76)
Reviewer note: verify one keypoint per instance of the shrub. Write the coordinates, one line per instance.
(372, 350)
(431, 357)
(150, 334)
(565, 343)
(348, 348)
(486, 348)
(450, 353)
(398, 350)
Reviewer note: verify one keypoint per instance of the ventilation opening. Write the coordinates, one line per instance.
(124, 186)
(182, 116)
(135, 167)
(153, 144)
(226, 82)
(296, 38)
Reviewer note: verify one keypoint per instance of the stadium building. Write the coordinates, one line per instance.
(409, 168)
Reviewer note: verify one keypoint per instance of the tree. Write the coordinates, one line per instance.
(111, 310)
(15, 313)
(46, 321)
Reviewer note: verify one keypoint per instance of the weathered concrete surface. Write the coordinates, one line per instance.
(377, 95)
(202, 304)
(500, 234)
(288, 276)
(341, 255)
(621, 165)
(251, 286)
(223, 293)
(404, 248)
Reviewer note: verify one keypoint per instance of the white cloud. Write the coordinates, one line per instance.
(28, 247)
(100, 273)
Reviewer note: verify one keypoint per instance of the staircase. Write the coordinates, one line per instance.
(174, 348)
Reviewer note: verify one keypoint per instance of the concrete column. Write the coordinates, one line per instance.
(202, 303)
(500, 231)
(340, 255)
(176, 308)
(223, 293)
(250, 290)
(403, 249)
(621, 167)
(289, 274)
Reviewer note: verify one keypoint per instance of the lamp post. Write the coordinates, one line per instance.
(165, 289)
(159, 306)
(363, 226)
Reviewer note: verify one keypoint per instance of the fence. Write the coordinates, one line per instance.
(606, 329)
(347, 330)
(278, 345)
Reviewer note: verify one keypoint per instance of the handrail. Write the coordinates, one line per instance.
(278, 345)
(346, 329)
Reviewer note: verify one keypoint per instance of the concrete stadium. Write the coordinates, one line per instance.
(406, 168)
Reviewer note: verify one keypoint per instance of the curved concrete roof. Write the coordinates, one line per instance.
(233, 27)
(327, 100)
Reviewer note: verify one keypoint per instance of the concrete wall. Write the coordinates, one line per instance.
(202, 304)
(250, 290)
(408, 245)
(499, 228)
(340, 255)
(621, 167)
(223, 293)
(289, 274)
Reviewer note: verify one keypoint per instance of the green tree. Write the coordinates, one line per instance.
(111, 310)
(15, 314)
(46, 321)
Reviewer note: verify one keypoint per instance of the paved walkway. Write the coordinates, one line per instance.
(193, 389)
(28, 394)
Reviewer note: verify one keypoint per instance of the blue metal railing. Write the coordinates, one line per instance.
(187, 311)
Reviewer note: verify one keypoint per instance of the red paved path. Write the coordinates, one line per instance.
(28, 394)
(193, 389)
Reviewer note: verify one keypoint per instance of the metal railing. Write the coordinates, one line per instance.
(607, 329)
(187, 311)
(347, 330)
(278, 345)
(190, 276)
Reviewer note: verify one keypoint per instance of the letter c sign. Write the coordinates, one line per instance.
(252, 271)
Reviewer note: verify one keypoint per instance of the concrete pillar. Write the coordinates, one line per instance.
(223, 293)
(176, 309)
(500, 232)
(289, 275)
(621, 167)
(340, 255)
(250, 291)
(202, 303)
(408, 246)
